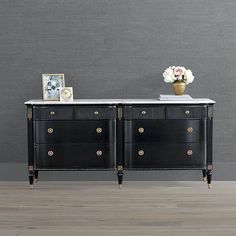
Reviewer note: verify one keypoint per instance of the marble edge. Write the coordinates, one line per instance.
(121, 101)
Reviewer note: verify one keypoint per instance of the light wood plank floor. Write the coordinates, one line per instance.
(100, 208)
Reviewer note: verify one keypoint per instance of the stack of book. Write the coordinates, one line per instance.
(167, 97)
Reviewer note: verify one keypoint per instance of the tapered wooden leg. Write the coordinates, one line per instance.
(204, 175)
(36, 176)
(209, 177)
(31, 181)
(120, 174)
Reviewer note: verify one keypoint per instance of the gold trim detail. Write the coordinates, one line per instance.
(31, 168)
(119, 167)
(210, 167)
(119, 113)
(29, 113)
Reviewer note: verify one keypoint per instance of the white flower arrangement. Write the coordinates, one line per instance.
(178, 73)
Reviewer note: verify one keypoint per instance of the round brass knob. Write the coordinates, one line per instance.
(140, 152)
(143, 112)
(190, 152)
(141, 130)
(52, 112)
(50, 130)
(96, 113)
(99, 152)
(190, 129)
(50, 153)
(99, 130)
(187, 112)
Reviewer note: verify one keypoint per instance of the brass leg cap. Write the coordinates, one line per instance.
(209, 186)
(120, 186)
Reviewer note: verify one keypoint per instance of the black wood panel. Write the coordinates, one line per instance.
(165, 155)
(75, 156)
(53, 112)
(169, 131)
(95, 112)
(144, 112)
(186, 112)
(97, 131)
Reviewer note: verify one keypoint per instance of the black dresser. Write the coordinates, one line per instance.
(120, 134)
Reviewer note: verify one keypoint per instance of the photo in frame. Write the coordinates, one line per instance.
(51, 86)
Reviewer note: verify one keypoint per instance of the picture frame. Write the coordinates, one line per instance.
(51, 84)
(66, 94)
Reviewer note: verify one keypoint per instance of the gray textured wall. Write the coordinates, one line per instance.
(116, 49)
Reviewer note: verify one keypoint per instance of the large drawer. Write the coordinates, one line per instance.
(169, 156)
(144, 112)
(53, 113)
(169, 131)
(75, 156)
(95, 112)
(90, 131)
(186, 112)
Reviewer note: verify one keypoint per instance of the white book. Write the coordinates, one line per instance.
(170, 97)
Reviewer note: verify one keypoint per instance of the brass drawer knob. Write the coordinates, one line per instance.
(95, 112)
(99, 130)
(187, 112)
(50, 130)
(99, 152)
(140, 152)
(50, 153)
(190, 129)
(189, 152)
(143, 112)
(141, 130)
(52, 112)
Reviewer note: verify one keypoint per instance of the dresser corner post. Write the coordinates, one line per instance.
(209, 145)
(30, 145)
(119, 144)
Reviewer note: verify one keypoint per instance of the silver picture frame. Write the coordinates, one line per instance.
(51, 84)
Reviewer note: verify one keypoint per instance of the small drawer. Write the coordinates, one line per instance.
(133, 112)
(53, 113)
(95, 112)
(186, 112)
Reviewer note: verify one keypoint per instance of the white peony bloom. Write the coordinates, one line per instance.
(169, 75)
(189, 76)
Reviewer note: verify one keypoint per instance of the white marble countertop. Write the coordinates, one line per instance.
(120, 101)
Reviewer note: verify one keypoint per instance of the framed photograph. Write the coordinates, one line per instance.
(51, 86)
(66, 94)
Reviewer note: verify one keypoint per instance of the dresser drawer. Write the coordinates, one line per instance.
(53, 113)
(144, 112)
(178, 131)
(95, 112)
(75, 156)
(90, 131)
(155, 156)
(186, 112)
